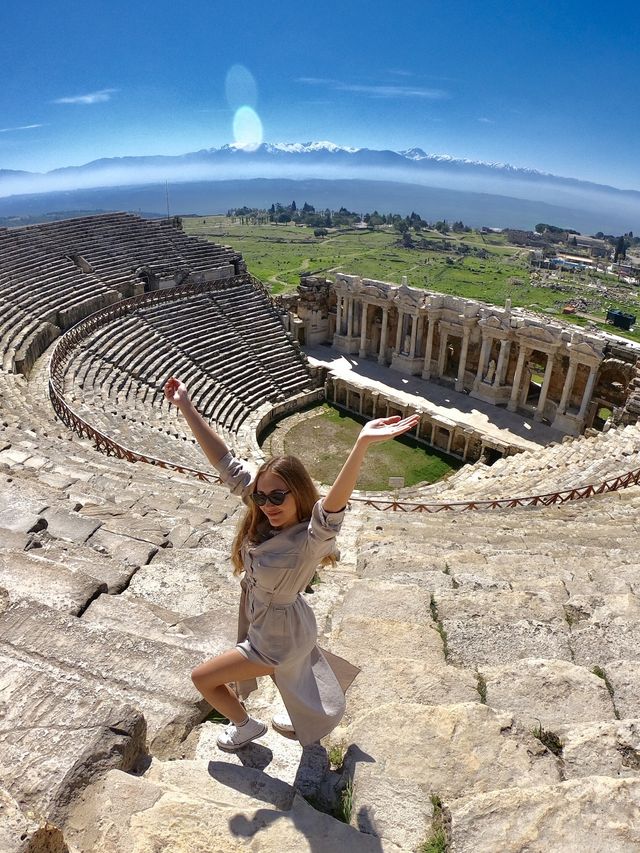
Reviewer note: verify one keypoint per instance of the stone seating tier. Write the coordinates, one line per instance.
(489, 627)
(232, 363)
(39, 279)
(575, 462)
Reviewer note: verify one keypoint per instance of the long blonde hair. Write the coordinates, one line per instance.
(254, 525)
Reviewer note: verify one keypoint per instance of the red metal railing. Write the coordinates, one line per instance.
(111, 447)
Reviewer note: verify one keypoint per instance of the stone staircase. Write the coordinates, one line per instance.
(498, 706)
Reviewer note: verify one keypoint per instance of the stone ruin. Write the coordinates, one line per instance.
(491, 353)
(498, 707)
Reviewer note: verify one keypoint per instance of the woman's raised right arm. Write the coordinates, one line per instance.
(212, 445)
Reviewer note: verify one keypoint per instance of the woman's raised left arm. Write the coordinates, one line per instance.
(382, 429)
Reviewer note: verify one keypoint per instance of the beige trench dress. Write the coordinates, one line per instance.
(276, 626)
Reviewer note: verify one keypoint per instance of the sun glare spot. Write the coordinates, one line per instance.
(240, 88)
(247, 128)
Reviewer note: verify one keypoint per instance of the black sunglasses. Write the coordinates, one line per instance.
(276, 497)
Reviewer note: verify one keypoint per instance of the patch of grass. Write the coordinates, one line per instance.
(336, 756)
(481, 685)
(439, 627)
(215, 717)
(549, 739)
(324, 442)
(438, 841)
(316, 580)
(597, 670)
(436, 844)
(345, 806)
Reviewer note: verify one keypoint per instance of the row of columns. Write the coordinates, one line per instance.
(426, 429)
(346, 311)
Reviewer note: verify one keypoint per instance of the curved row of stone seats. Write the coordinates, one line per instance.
(583, 461)
(232, 364)
(54, 274)
(116, 245)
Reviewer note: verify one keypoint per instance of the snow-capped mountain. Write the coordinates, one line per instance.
(414, 173)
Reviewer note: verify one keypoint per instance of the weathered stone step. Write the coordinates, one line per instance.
(608, 748)
(208, 633)
(596, 813)
(403, 752)
(20, 832)
(153, 676)
(27, 576)
(57, 734)
(546, 692)
(206, 807)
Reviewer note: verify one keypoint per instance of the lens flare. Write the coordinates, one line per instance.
(247, 128)
(240, 88)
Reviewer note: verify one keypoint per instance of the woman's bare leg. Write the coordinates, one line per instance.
(212, 676)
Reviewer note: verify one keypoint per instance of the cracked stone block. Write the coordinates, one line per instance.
(594, 813)
(547, 692)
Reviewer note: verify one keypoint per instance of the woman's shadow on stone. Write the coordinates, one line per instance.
(312, 778)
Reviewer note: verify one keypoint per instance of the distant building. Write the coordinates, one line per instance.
(585, 242)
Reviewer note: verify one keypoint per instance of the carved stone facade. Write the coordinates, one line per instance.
(505, 356)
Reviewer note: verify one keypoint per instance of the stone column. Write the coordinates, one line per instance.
(568, 386)
(503, 360)
(414, 332)
(420, 334)
(450, 439)
(426, 369)
(463, 358)
(442, 355)
(339, 315)
(349, 316)
(382, 358)
(363, 330)
(588, 391)
(484, 354)
(399, 331)
(512, 405)
(539, 412)
(467, 439)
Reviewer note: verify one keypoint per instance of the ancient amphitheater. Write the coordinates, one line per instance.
(498, 707)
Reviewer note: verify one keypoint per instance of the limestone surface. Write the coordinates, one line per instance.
(597, 813)
(548, 692)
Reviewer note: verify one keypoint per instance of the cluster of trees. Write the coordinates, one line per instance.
(305, 215)
(544, 228)
(321, 220)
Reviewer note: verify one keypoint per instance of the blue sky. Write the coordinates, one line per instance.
(546, 85)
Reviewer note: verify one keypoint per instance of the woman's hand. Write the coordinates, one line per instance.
(383, 429)
(176, 392)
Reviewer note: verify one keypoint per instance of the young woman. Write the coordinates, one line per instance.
(285, 533)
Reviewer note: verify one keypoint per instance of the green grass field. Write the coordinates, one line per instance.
(279, 254)
(324, 442)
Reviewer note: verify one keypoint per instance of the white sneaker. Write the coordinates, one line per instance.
(233, 737)
(282, 724)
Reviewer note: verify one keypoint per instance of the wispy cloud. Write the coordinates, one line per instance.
(378, 91)
(23, 127)
(486, 120)
(90, 98)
